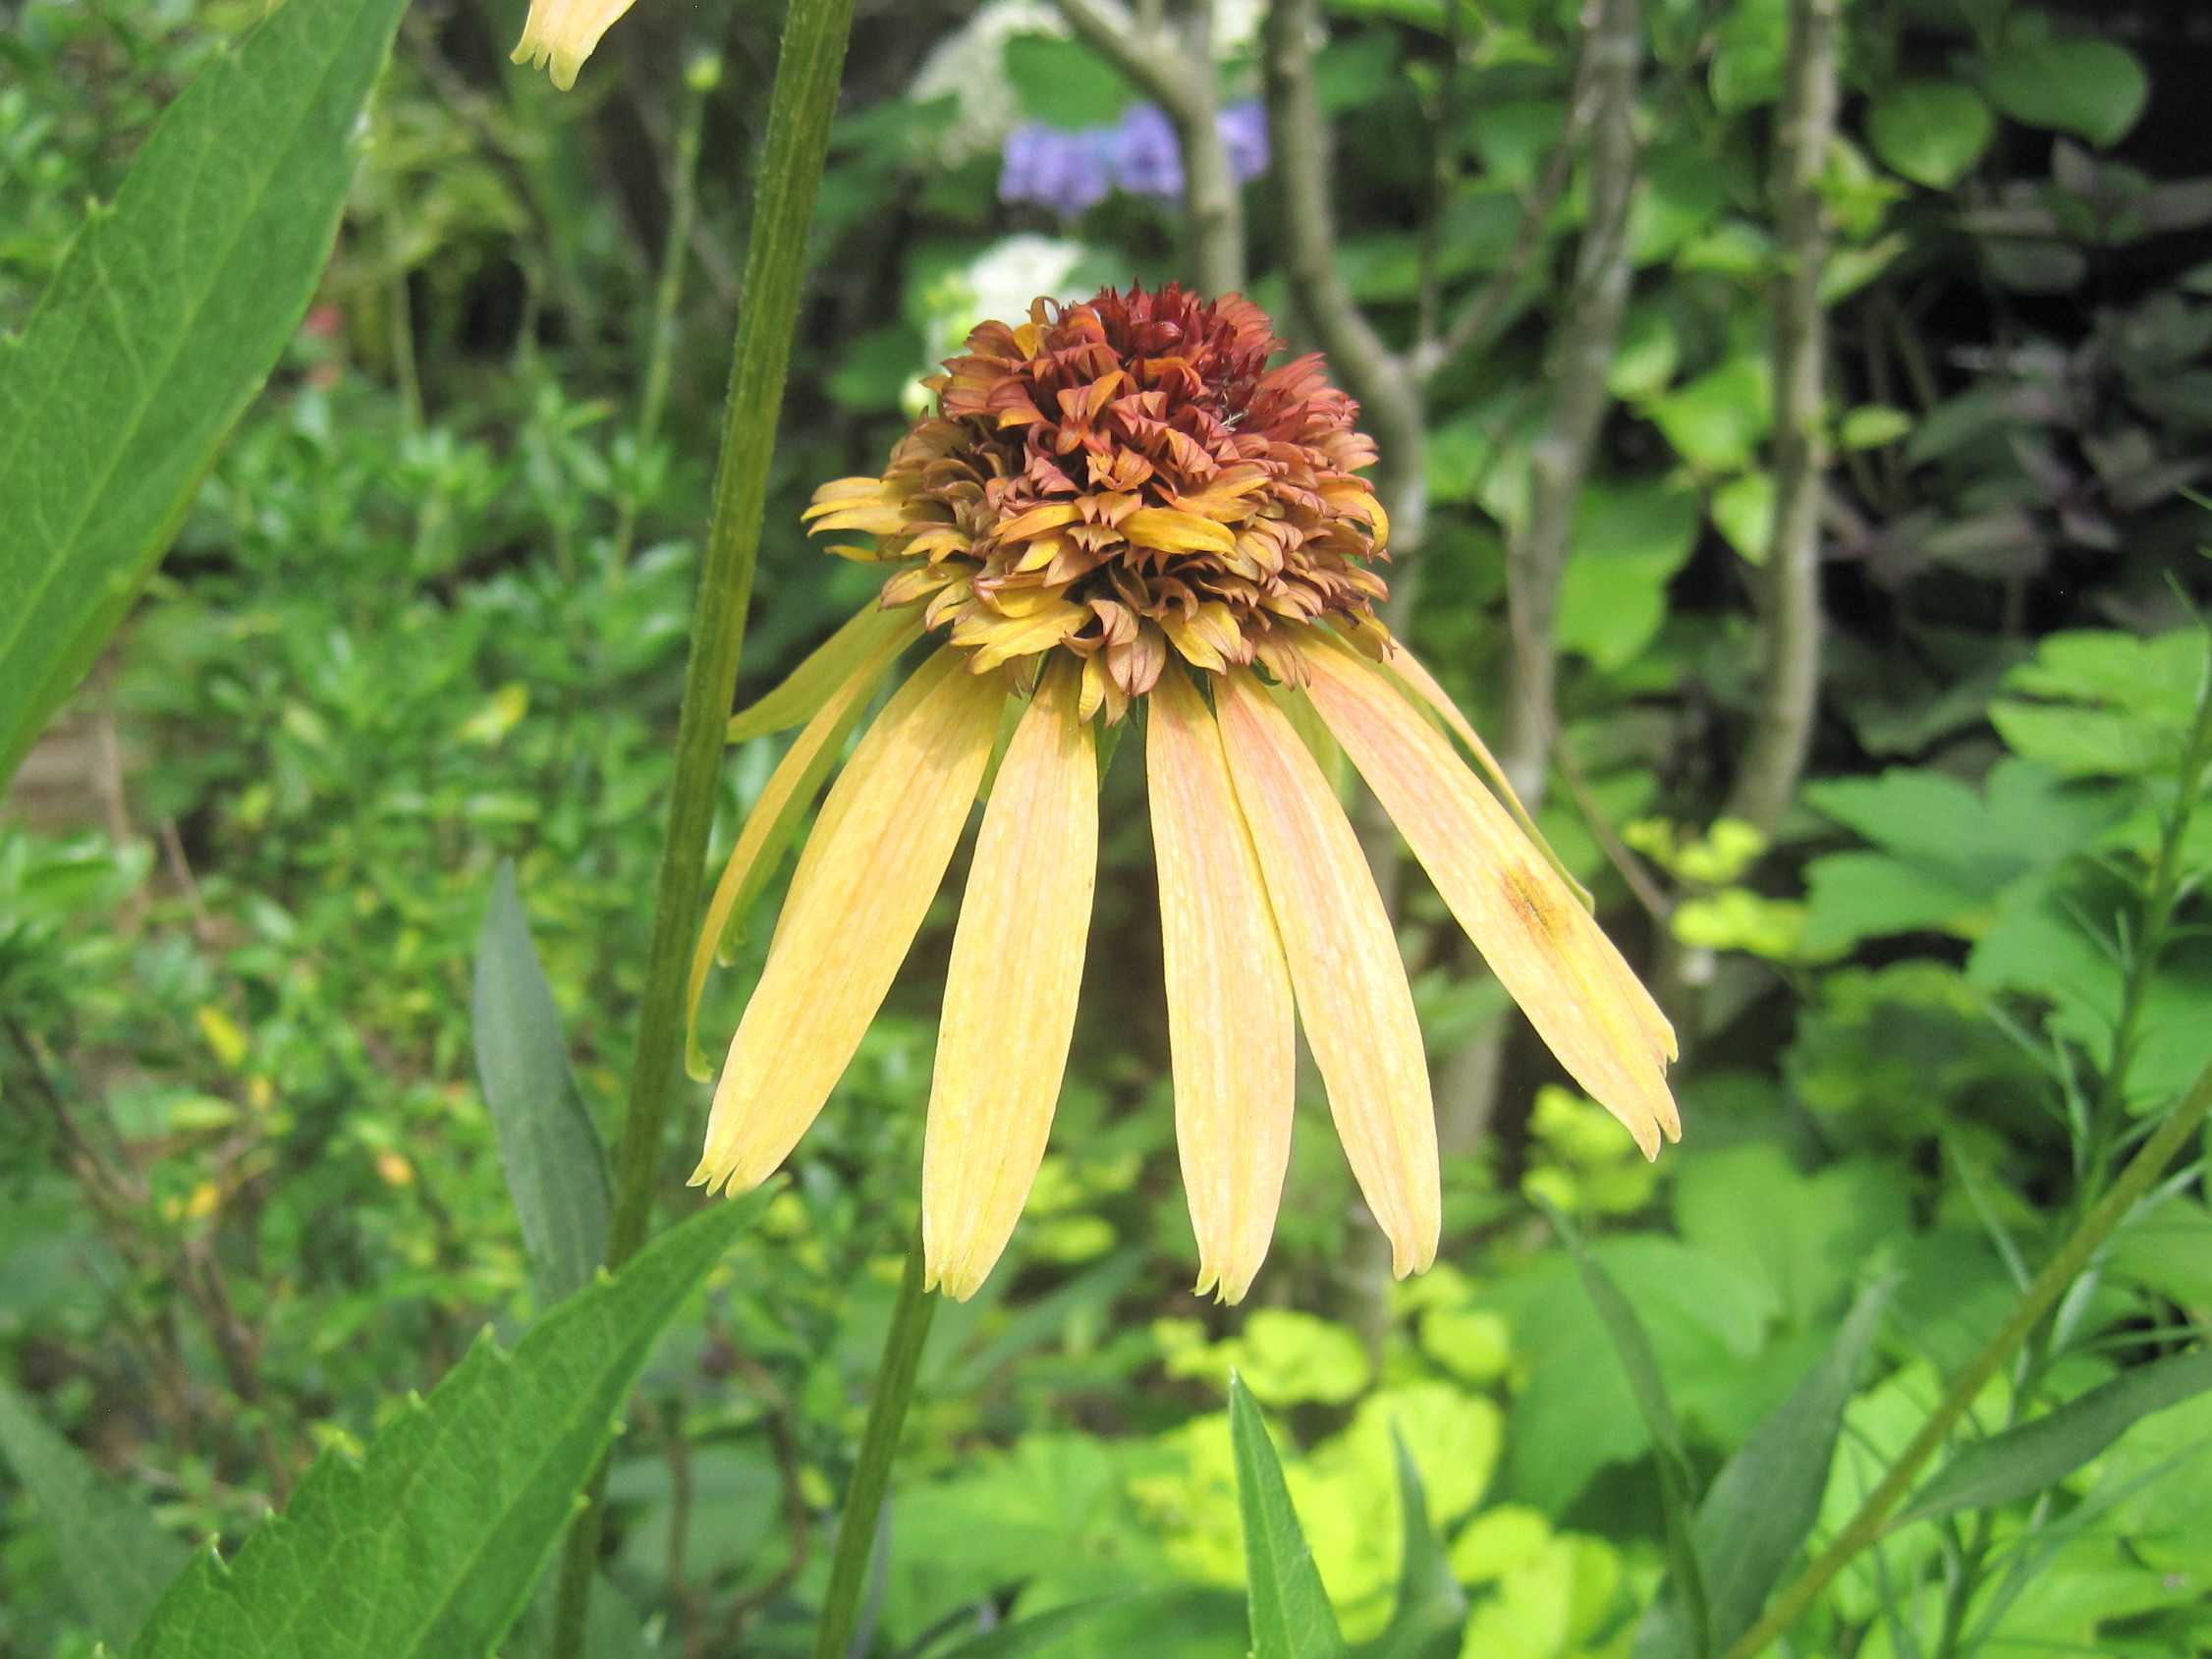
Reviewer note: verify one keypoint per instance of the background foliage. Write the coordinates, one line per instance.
(426, 618)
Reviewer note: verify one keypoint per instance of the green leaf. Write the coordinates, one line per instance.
(1931, 132)
(549, 1148)
(115, 1557)
(1717, 421)
(1631, 1345)
(1185, 1619)
(1064, 83)
(1805, 1235)
(430, 1544)
(1290, 1612)
(2091, 89)
(1762, 1505)
(1748, 49)
(2038, 1454)
(1431, 1607)
(167, 313)
(1629, 539)
(1743, 513)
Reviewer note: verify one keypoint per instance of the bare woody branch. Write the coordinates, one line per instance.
(1581, 352)
(1789, 595)
(1175, 70)
(1389, 395)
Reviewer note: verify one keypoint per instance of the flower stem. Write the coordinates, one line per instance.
(879, 1444)
(2041, 1295)
(808, 72)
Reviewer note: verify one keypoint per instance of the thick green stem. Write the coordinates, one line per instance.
(2040, 1297)
(807, 71)
(879, 1444)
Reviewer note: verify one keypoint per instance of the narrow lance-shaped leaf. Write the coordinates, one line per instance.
(1633, 1345)
(1431, 1608)
(1762, 1505)
(168, 312)
(2038, 1454)
(1290, 1612)
(429, 1545)
(549, 1148)
(113, 1557)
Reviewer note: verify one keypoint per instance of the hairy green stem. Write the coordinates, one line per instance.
(2041, 1295)
(879, 1444)
(807, 71)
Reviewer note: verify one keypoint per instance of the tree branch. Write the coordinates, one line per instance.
(1176, 73)
(1480, 314)
(1581, 350)
(1789, 654)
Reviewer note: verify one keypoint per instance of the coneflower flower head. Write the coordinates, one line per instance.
(1121, 500)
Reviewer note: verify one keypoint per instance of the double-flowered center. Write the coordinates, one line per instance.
(1121, 478)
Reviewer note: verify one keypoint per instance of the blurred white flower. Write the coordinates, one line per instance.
(969, 65)
(998, 282)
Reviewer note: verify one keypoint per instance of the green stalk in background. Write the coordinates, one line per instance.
(879, 1444)
(808, 72)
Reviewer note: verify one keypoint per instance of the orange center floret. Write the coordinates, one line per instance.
(1121, 477)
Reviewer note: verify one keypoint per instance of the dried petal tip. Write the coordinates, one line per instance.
(559, 34)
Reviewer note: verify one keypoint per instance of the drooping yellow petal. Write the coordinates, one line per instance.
(1545, 949)
(774, 816)
(560, 35)
(1352, 998)
(792, 699)
(1401, 664)
(878, 851)
(1010, 990)
(1231, 1037)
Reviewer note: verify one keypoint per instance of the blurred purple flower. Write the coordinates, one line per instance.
(1070, 171)
(1244, 134)
(1148, 160)
(1054, 168)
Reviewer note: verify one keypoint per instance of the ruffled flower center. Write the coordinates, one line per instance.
(1121, 477)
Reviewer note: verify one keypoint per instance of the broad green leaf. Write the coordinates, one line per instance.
(1632, 1347)
(2091, 89)
(1931, 132)
(1716, 421)
(1163, 1623)
(1762, 1505)
(1748, 49)
(2038, 1454)
(1743, 513)
(167, 313)
(114, 1557)
(549, 1148)
(1805, 1235)
(1289, 1613)
(1064, 83)
(430, 1544)
(1431, 1608)
(1628, 539)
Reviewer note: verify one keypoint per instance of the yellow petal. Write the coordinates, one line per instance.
(1230, 1032)
(1413, 673)
(563, 32)
(774, 816)
(795, 698)
(1171, 532)
(997, 639)
(1352, 993)
(1010, 990)
(878, 851)
(1544, 948)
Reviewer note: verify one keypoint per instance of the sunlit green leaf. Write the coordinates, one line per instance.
(167, 313)
(429, 1545)
(1931, 132)
(1290, 1612)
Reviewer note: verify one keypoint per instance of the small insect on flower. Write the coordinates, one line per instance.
(1118, 502)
